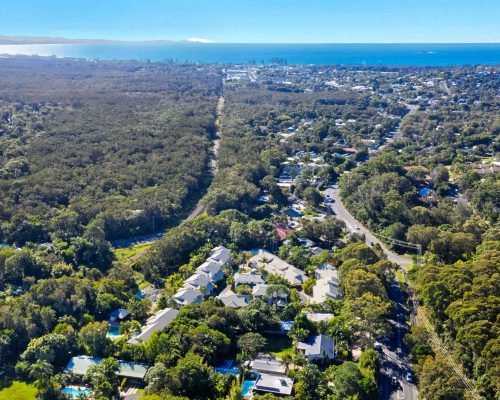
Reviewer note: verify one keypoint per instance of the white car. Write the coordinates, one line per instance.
(356, 227)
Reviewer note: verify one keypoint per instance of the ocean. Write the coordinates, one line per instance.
(342, 54)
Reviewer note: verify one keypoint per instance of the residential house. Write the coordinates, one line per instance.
(306, 243)
(220, 254)
(277, 384)
(80, 364)
(211, 269)
(118, 315)
(203, 283)
(268, 366)
(271, 378)
(317, 348)
(156, 322)
(186, 296)
(327, 284)
(248, 279)
(272, 264)
(233, 300)
(273, 298)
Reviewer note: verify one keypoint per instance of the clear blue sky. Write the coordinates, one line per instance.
(258, 21)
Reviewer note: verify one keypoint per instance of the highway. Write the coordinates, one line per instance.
(395, 355)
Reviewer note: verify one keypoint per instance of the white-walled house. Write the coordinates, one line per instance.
(201, 282)
(211, 269)
(221, 255)
(186, 296)
(327, 284)
(251, 279)
(153, 324)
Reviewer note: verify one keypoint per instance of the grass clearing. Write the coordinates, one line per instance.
(279, 346)
(400, 276)
(309, 213)
(129, 252)
(18, 391)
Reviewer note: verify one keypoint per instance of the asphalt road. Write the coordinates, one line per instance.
(396, 360)
(394, 354)
(355, 226)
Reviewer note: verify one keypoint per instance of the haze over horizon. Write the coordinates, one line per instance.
(223, 21)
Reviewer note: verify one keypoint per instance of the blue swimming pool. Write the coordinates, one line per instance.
(227, 371)
(73, 392)
(247, 387)
(113, 330)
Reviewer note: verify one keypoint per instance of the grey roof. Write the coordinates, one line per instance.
(275, 265)
(154, 323)
(131, 369)
(260, 290)
(318, 345)
(252, 279)
(80, 364)
(197, 281)
(274, 384)
(221, 254)
(327, 283)
(319, 317)
(119, 313)
(271, 366)
(211, 268)
(233, 300)
(188, 296)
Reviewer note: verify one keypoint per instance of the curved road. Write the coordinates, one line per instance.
(396, 360)
(355, 226)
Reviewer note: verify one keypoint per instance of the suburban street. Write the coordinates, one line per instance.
(395, 355)
(355, 226)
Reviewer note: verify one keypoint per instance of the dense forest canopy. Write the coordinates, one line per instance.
(124, 145)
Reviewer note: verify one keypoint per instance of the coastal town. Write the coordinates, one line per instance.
(307, 270)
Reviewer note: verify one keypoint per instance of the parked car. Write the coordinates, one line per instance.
(377, 346)
(409, 377)
(394, 382)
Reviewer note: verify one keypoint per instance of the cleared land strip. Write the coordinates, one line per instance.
(200, 207)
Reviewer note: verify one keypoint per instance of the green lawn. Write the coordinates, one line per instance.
(279, 346)
(309, 213)
(129, 252)
(400, 276)
(18, 391)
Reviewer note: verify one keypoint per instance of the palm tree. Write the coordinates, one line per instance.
(287, 359)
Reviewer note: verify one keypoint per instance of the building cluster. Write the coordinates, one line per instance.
(202, 282)
(267, 375)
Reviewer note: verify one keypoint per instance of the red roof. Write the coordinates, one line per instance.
(282, 231)
(350, 150)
